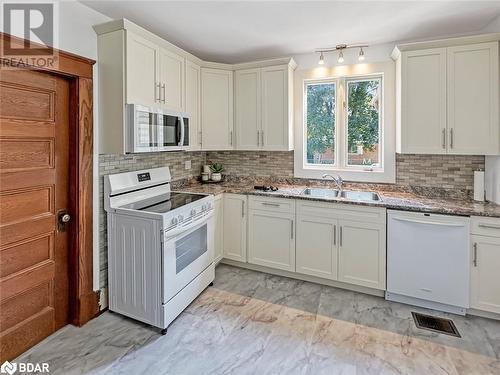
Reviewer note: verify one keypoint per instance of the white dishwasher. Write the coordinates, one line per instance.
(428, 260)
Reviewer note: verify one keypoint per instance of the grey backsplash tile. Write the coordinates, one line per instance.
(422, 171)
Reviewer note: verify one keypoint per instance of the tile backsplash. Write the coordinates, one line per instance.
(441, 171)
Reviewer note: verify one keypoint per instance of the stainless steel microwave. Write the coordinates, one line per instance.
(155, 129)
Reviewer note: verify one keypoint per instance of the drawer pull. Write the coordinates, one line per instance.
(489, 226)
(334, 235)
(291, 227)
(271, 204)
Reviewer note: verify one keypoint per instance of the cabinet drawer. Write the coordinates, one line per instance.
(272, 204)
(486, 226)
(342, 211)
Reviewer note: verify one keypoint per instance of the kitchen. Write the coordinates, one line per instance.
(329, 211)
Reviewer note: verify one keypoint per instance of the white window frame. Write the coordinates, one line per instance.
(386, 172)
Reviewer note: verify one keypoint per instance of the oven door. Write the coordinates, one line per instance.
(142, 129)
(186, 253)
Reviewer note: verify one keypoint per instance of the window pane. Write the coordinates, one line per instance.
(363, 122)
(320, 123)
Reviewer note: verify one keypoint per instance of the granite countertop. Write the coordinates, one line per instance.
(391, 197)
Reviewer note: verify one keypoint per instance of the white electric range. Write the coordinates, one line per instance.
(160, 246)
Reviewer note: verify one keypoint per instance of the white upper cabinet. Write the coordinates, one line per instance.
(423, 101)
(247, 97)
(277, 108)
(473, 99)
(447, 97)
(217, 109)
(264, 108)
(171, 73)
(192, 104)
(142, 81)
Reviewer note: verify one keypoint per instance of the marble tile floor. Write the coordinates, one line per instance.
(254, 323)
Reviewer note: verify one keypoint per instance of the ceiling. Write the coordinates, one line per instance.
(237, 31)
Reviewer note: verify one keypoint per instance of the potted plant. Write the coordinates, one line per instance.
(217, 169)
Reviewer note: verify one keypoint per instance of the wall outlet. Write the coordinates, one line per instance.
(187, 165)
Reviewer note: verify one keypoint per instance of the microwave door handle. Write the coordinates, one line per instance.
(181, 117)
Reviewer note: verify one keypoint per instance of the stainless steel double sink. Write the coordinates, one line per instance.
(367, 196)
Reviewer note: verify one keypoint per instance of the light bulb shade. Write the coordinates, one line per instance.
(321, 59)
(361, 56)
(341, 57)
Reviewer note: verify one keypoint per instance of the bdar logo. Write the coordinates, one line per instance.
(8, 368)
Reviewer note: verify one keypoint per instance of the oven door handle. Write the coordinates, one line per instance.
(179, 230)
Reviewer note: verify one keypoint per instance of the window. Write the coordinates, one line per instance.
(320, 123)
(363, 123)
(343, 129)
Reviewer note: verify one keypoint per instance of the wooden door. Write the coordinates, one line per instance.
(171, 72)
(34, 153)
(473, 99)
(235, 227)
(485, 288)
(423, 101)
(362, 252)
(217, 109)
(275, 116)
(142, 83)
(271, 239)
(317, 249)
(248, 114)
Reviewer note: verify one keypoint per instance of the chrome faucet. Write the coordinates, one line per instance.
(338, 180)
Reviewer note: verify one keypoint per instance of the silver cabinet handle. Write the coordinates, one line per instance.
(340, 235)
(157, 98)
(242, 208)
(164, 93)
(489, 226)
(231, 137)
(451, 138)
(474, 258)
(262, 137)
(271, 204)
(200, 134)
(335, 235)
(444, 138)
(258, 137)
(291, 227)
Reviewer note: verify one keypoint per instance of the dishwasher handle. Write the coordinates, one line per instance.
(429, 222)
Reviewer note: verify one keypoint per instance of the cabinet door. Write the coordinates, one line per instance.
(423, 101)
(473, 99)
(317, 246)
(171, 71)
(271, 239)
(142, 83)
(275, 119)
(235, 227)
(217, 109)
(248, 113)
(192, 104)
(219, 228)
(485, 285)
(362, 254)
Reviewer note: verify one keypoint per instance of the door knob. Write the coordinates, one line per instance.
(62, 218)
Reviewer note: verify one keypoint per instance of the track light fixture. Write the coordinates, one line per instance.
(341, 48)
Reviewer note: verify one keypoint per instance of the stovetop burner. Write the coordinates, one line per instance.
(165, 203)
(266, 188)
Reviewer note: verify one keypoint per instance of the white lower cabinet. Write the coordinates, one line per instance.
(317, 246)
(362, 253)
(219, 228)
(271, 233)
(352, 251)
(485, 259)
(235, 227)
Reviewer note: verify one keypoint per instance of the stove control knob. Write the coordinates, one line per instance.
(209, 206)
(193, 212)
(174, 221)
(180, 218)
(204, 208)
